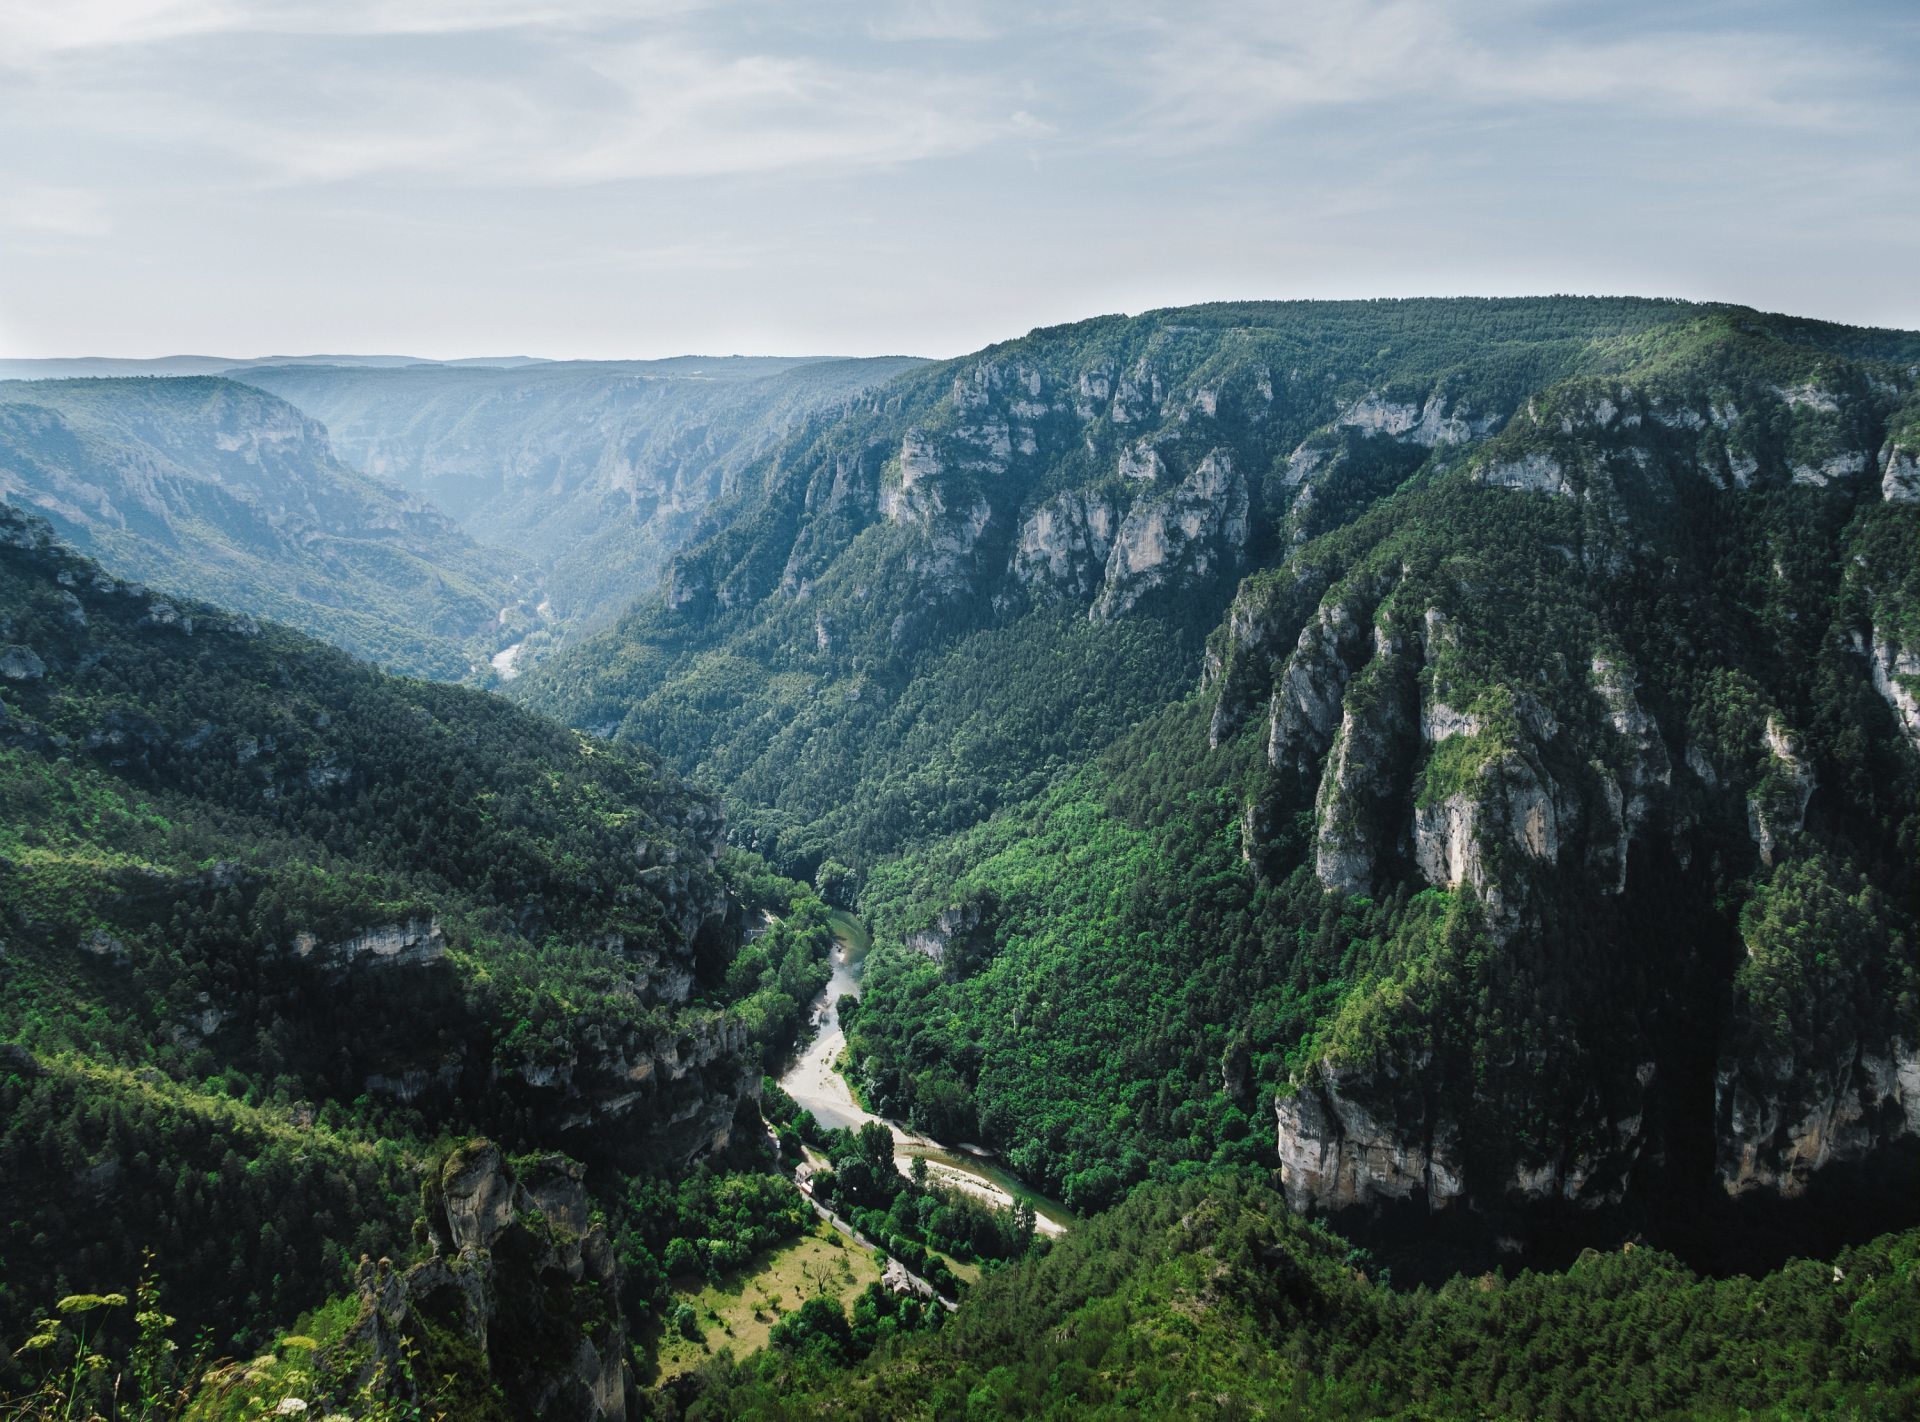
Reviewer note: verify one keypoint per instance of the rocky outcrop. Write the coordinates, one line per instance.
(1781, 1120)
(1900, 474)
(677, 872)
(1337, 1151)
(1429, 423)
(520, 1285)
(642, 1097)
(960, 937)
(1509, 806)
(1896, 676)
(1363, 1134)
(1356, 812)
(1061, 548)
(1533, 472)
(416, 943)
(916, 497)
(1646, 768)
(948, 517)
(1196, 531)
(21, 664)
(1777, 807)
(1848, 464)
(1306, 706)
(1240, 659)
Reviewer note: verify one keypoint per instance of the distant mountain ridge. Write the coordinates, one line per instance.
(214, 489)
(597, 471)
(70, 367)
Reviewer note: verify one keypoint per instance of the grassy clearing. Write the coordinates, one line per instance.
(740, 1311)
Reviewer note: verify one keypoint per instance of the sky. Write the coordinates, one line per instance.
(590, 179)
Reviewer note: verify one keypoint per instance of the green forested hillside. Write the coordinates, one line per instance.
(848, 609)
(1212, 1299)
(1461, 750)
(1363, 801)
(214, 490)
(277, 930)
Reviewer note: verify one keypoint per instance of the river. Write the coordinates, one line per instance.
(813, 1083)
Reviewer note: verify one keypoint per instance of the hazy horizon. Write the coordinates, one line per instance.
(508, 359)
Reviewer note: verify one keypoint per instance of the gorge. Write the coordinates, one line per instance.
(1343, 796)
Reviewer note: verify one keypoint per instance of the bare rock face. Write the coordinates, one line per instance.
(1239, 664)
(950, 923)
(1900, 477)
(415, 943)
(1777, 808)
(652, 1098)
(1337, 1151)
(1365, 774)
(916, 497)
(949, 519)
(960, 938)
(477, 1196)
(1646, 768)
(1782, 1120)
(1457, 840)
(1062, 547)
(1307, 699)
(1429, 423)
(1535, 472)
(21, 664)
(1364, 1134)
(1197, 530)
(509, 1246)
(689, 586)
(1896, 676)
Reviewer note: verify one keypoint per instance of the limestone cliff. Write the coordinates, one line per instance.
(1195, 532)
(1062, 547)
(1542, 794)
(519, 1297)
(1338, 1152)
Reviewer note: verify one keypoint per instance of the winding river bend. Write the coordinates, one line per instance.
(814, 1083)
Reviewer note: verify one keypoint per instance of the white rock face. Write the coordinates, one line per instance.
(1839, 466)
(1360, 779)
(412, 944)
(1336, 1153)
(1810, 397)
(1306, 700)
(1062, 546)
(1900, 481)
(1536, 472)
(1304, 460)
(1440, 722)
(920, 502)
(1780, 1122)
(1896, 676)
(915, 497)
(1185, 535)
(1511, 803)
(1646, 768)
(1777, 809)
(1141, 462)
(20, 664)
(1428, 424)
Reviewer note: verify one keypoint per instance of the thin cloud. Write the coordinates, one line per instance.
(35, 32)
(62, 212)
(1220, 70)
(518, 100)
